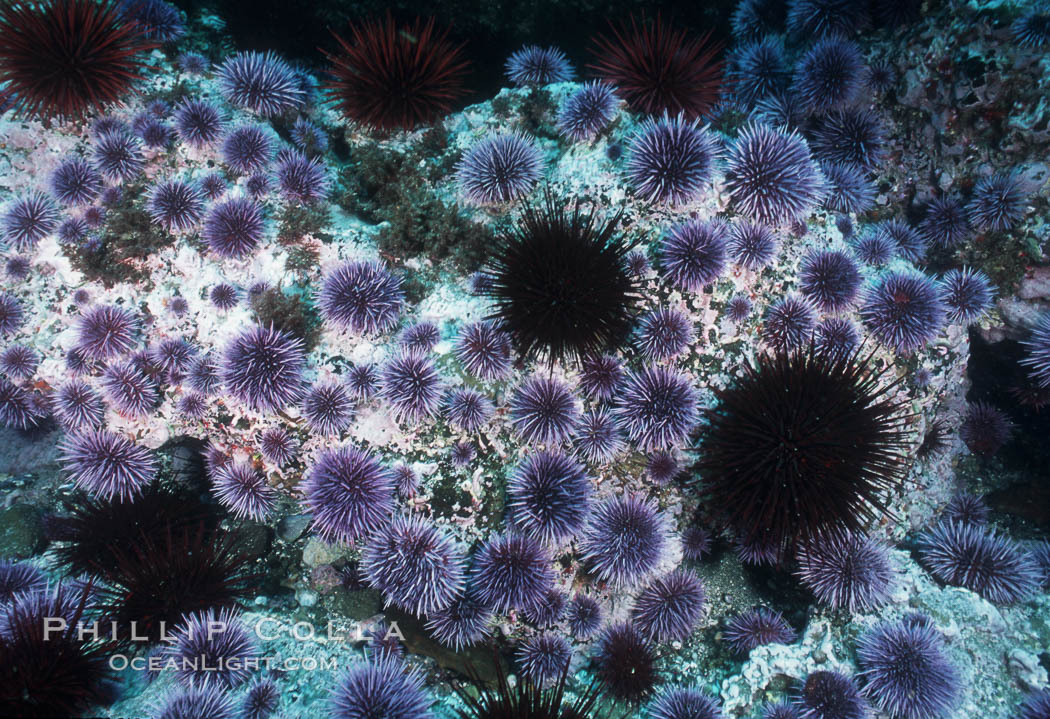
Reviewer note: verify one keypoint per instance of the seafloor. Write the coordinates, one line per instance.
(958, 99)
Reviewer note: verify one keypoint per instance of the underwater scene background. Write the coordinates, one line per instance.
(553, 360)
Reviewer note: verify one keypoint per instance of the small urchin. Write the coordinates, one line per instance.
(381, 686)
(412, 385)
(830, 695)
(757, 627)
(543, 658)
(584, 114)
(535, 65)
(484, 350)
(669, 607)
(685, 703)
(903, 310)
(107, 464)
(626, 663)
(512, 571)
(28, 219)
(846, 569)
(543, 409)
(751, 244)
(260, 82)
(671, 160)
(349, 494)
(997, 202)
(234, 227)
(211, 647)
(624, 540)
(499, 168)
(657, 407)
(243, 490)
(664, 333)
(830, 278)
(967, 293)
(693, 253)
(176, 205)
(262, 367)
(362, 297)
(548, 495)
(327, 408)
(830, 74)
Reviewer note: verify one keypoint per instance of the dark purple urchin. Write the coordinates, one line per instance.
(837, 337)
(738, 308)
(830, 74)
(193, 405)
(107, 464)
(19, 408)
(260, 82)
(625, 663)
(420, 337)
(588, 111)
(985, 428)
(669, 607)
(300, 178)
(382, 686)
(463, 623)
(233, 227)
(349, 494)
(277, 446)
(130, 391)
(830, 695)
(751, 19)
(203, 375)
(244, 491)
(176, 205)
(997, 202)
(759, 69)
(328, 409)
(71, 231)
(993, 566)
(638, 263)
(213, 185)
(910, 244)
(544, 658)
(484, 350)
(548, 612)
(75, 182)
(905, 670)
(781, 710)
(363, 381)
(548, 496)
(211, 647)
(1036, 705)
(624, 540)
(207, 701)
(363, 297)
(17, 267)
(29, 219)
(544, 409)
(155, 134)
(417, 567)
(848, 188)
(771, 175)
(875, 248)
(601, 375)
(664, 333)
(851, 136)
(461, 454)
(583, 616)
(657, 407)
(263, 368)
(966, 508)
(830, 278)
(820, 18)
(662, 467)
(499, 168)
(598, 437)
(308, 137)
(223, 296)
(17, 578)
(199, 123)
(693, 253)
(247, 149)
(846, 569)
(406, 481)
(751, 244)
(118, 156)
(77, 406)
(671, 160)
(829, 440)
(11, 314)
(468, 410)
(755, 628)
(19, 362)
(261, 699)
(558, 282)
(903, 310)
(789, 323)
(1032, 28)
(412, 385)
(535, 65)
(967, 293)
(685, 703)
(1036, 345)
(945, 224)
(512, 571)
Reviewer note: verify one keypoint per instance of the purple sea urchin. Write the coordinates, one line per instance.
(543, 658)
(77, 406)
(664, 333)
(233, 227)
(837, 337)
(363, 297)
(11, 314)
(911, 245)
(846, 569)
(261, 700)
(657, 407)
(199, 123)
(829, 74)
(1036, 345)
(19, 362)
(417, 567)
(982, 561)
(468, 409)
(349, 493)
(499, 168)
(588, 111)
(985, 428)
(383, 686)
(1032, 28)
(624, 540)
(771, 175)
(484, 350)
(548, 495)
(244, 491)
(130, 391)
(535, 65)
(512, 571)
(751, 244)
(328, 409)
(671, 160)
(906, 671)
(693, 254)
(262, 83)
(759, 68)
(300, 178)
(1036, 705)
(600, 376)
(903, 310)
(997, 203)
(966, 508)
(848, 189)
(463, 623)
(967, 293)
(263, 368)
(830, 278)
(363, 381)
(75, 182)
(420, 337)
(28, 219)
(669, 607)
(277, 446)
(830, 695)
(625, 663)
(945, 224)
(875, 248)
(176, 205)
(598, 436)
(583, 616)
(789, 323)
(755, 628)
(118, 156)
(223, 296)
(850, 136)
(412, 385)
(684, 703)
(738, 308)
(211, 701)
(107, 464)
(247, 149)
(543, 409)
(211, 647)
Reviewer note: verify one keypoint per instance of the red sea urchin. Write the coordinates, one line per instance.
(657, 68)
(390, 77)
(65, 58)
